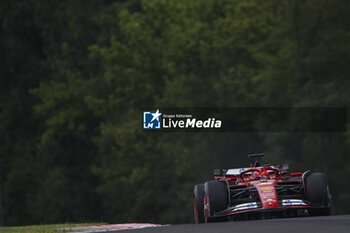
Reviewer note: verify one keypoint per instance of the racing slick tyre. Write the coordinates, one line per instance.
(318, 194)
(215, 199)
(199, 203)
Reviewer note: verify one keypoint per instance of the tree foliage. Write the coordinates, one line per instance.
(77, 74)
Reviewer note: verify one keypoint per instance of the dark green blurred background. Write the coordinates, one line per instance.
(74, 76)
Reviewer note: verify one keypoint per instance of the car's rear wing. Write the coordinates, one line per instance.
(220, 171)
(228, 172)
(257, 155)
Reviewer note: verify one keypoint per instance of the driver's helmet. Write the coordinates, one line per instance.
(256, 175)
(265, 174)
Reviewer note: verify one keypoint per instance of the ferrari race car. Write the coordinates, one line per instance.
(261, 192)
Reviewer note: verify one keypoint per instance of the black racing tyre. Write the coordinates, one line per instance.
(317, 193)
(215, 199)
(198, 193)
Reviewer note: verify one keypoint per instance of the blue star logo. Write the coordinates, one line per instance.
(151, 120)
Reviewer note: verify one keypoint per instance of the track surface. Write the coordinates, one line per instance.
(331, 224)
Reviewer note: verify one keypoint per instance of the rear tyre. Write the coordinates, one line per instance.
(318, 194)
(198, 193)
(215, 199)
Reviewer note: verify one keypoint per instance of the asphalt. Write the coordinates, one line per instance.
(331, 224)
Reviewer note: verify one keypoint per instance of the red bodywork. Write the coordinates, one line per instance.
(264, 179)
(261, 192)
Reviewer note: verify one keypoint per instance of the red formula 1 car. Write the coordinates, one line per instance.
(261, 192)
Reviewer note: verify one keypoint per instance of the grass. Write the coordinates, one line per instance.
(53, 228)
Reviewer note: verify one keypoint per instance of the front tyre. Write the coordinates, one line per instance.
(198, 193)
(318, 194)
(215, 199)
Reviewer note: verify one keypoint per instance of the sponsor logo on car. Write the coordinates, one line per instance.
(249, 205)
(287, 202)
